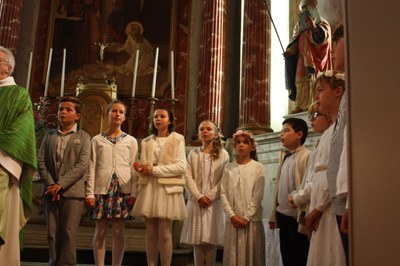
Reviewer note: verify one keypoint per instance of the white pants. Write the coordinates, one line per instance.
(9, 252)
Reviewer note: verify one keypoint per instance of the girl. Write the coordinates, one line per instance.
(160, 185)
(205, 226)
(242, 190)
(325, 245)
(110, 183)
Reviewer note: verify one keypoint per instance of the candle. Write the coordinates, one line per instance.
(135, 73)
(46, 86)
(172, 76)
(63, 73)
(153, 88)
(28, 78)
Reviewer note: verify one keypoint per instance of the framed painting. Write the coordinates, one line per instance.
(101, 39)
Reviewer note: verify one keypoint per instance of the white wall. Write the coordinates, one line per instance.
(279, 94)
(374, 71)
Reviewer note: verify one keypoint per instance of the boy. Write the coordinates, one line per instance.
(294, 245)
(63, 159)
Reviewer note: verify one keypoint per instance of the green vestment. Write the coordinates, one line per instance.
(17, 139)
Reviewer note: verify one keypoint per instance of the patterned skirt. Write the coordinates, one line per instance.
(112, 205)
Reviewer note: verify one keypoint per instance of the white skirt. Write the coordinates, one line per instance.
(204, 225)
(154, 202)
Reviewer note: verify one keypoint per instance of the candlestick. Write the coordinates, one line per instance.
(135, 73)
(46, 86)
(63, 73)
(152, 103)
(172, 76)
(28, 78)
(153, 88)
(173, 103)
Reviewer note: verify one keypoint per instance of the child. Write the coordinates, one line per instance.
(293, 244)
(326, 246)
(301, 198)
(62, 163)
(205, 226)
(109, 188)
(242, 190)
(160, 185)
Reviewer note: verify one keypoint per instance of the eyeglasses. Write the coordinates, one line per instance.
(2, 60)
(315, 115)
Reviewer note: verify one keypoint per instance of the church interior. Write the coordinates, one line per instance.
(219, 60)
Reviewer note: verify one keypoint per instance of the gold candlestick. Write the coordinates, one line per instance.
(173, 103)
(152, 103)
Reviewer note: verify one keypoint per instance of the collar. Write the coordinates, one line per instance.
(73, 129)
(288, 154)
(7, 82)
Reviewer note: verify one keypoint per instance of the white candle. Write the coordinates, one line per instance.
(153, 88)
(63, 73)
(46, 86)
(135, 73)
(172, 76)
(28, 78)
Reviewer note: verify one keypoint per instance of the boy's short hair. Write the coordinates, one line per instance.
(297, 125)
(78, 104)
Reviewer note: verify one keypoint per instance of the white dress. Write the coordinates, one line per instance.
(204, 225)
(153, 201)
(325, 245)
(242, 190)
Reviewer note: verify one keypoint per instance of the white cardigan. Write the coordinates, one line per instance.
(252, 182)
(194, 173)
(108, 158)
(171, 163)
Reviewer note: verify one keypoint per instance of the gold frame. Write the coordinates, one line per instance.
(163, 80)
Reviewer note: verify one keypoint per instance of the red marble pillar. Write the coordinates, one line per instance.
(212, 62)
(255, 82)
(10, 23)
(181, 69)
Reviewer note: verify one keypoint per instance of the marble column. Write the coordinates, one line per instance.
(255, 82)
(212, 62)
(10, 23)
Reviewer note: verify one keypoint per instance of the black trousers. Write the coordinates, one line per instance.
(294, 245)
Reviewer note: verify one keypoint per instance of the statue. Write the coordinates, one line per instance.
(308, 53)
(102, 47)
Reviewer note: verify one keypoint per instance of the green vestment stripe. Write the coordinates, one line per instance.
(17, 134)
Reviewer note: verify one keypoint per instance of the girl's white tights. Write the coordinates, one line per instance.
(118, 239)
(158, 230)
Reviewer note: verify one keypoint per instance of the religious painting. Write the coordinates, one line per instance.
(101, 39)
